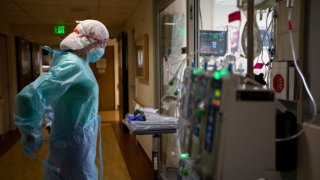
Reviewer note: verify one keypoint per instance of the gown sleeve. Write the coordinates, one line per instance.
(35, 98)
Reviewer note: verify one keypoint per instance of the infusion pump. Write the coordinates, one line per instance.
(227, 128)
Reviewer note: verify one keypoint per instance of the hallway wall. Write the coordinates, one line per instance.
(309, 144)
(6, 30)
(140, 23)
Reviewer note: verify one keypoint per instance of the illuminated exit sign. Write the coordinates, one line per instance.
(59, 29)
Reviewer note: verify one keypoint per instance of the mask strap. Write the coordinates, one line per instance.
(84, 35)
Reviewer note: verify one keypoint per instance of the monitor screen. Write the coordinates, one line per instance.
(213, 43)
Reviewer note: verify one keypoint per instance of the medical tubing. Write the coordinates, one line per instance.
(299, 71)
(170, 90)
(303, 80)
(178, 85)
(183, 61)
(264, 36)
(178, 70)
(177, 62)
(266, 33)
(181, 81)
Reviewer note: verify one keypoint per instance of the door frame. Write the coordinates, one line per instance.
(158, 6)
(192, 39)
(6, 100)
(124, 92)
(116, 59)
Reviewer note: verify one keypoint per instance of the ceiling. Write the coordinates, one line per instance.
(35, 19)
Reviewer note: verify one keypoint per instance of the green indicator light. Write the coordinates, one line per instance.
(200, 69)
(176, 93)
(224, 72)
(217, 93)
(184, 172)
(216, 75)
(195, 72)
(184, 156)
(171, 82)
(59, 29)
(201, 112)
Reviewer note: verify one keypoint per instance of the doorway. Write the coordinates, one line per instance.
(4, 87)
(171, 45)
(123, 77)
(104, 73)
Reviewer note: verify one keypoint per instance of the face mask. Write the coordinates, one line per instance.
(95, 54)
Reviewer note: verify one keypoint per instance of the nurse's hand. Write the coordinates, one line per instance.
(31, 142)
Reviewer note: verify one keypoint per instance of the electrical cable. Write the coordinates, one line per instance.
(264, 36)
(271, 42)
(303, 80)
(268, 27)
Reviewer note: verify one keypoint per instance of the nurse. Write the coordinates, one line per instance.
(71, 91)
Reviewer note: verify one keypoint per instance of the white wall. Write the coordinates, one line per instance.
(313, 51)
(207, 7)
(221, 15)
(283, 41)
(144, 25)
(141, 21)
(309, 154)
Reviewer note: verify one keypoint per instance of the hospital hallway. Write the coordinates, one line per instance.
(186, 89)
(122, 160)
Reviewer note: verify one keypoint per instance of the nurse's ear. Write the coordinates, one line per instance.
(82, 53)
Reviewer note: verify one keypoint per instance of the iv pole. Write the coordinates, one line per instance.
(250, 37)
(250, 16)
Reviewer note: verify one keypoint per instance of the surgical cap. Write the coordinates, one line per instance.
(85, 33)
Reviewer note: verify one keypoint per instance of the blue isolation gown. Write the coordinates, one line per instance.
(71, 90)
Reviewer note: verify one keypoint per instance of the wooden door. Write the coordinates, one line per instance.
(4, 85)
(36, 61)
(24, 73)
(105, 78)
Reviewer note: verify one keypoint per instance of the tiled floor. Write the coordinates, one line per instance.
(122, 159)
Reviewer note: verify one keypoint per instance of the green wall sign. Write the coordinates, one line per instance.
(59, 29)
